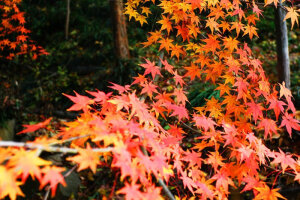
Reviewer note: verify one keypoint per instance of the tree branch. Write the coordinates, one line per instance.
(49, 148)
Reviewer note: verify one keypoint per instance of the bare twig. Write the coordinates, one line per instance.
(49, 148)
(192, 129)
(287, 173)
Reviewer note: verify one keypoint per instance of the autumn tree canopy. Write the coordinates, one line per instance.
(142, 130)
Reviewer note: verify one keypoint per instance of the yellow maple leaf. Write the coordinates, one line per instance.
(8, 184)
(292, 14)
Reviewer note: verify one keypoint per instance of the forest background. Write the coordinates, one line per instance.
(87, 58)
(31, 90)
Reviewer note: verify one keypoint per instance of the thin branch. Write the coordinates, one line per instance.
(49, 148)
(192, 129)
(166, 189)
(70, 139)
(287, 173)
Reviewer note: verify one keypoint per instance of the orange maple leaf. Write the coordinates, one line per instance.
(265, 193)
(293, 14)
(86, 158)
(166, 23)
(9, 186)
(27, 163)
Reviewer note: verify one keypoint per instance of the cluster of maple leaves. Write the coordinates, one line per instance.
(126, 130)
(14, 39)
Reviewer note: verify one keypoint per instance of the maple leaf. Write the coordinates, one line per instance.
(230, 43)
(9, 186)
(245, 152)
(180, 96)
(256, 10)
(81, 102)
(251, 182)
(166, 43)
(265, 193)
(284, 91)
(176, 131)
(167, 66)
(155, 36)
(87, 158)
(151, 68)
(53, 176)
(99, 96)
(276, 105)
(255, 109)
(164, 98)
(153, 193)
(225, 26)
(290, 122)
(119, 88)
(224, 89)
(284, 160)
(193, 71)
(166, 24)
(251, 30)
(146, 10)
(140, 79)
(148, 88)
(291, 13)
(204, 122)
(252, 19)
(176, 51)
(193, 30)
(141, 19)
(178, 79)
(212, 44)
(34, 127)
(215, 159)
(238, 26)
(131, 192)
(269, 125)
(27, 163)
(183, 31)
(222, 181)
(242, 87)
(188, 182)
(179, 111)
(212, 24)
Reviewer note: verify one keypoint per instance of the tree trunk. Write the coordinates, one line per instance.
(67, 20)
(119, 30)
(283, 61)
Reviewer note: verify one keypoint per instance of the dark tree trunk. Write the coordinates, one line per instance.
(119, 30)
(283, 61)
(67, 20)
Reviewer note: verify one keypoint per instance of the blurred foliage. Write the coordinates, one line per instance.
(264, 48)
(82, 62)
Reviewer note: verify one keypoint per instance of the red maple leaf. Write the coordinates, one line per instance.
(269, 125)
(34, 127)
(290, 122)
(131, 192)
(151, 68)
(81, 102)
(53, 176)
(179, 111)
(255, 109)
